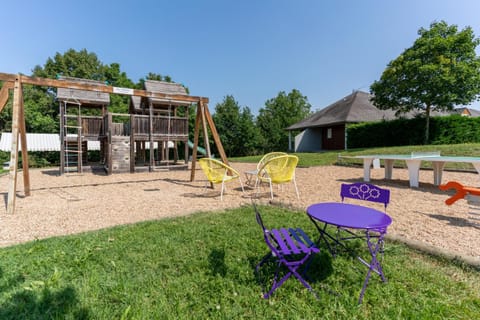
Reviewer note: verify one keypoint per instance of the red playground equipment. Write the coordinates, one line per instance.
(461, 191)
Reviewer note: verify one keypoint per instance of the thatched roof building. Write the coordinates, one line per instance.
(326, 129)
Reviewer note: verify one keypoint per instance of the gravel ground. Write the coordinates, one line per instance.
(61, 205)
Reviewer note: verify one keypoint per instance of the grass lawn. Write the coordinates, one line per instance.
(201, 267)
(331, 157)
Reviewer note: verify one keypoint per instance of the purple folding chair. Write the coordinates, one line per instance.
(367, 192)
(289, 247)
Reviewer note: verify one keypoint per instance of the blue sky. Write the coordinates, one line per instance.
(251, 49)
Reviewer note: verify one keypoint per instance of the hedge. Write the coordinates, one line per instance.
(400, 132)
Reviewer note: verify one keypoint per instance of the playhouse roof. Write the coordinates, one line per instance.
(169, 88)
(85, 97)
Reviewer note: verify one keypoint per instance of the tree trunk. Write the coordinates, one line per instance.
(427, 124)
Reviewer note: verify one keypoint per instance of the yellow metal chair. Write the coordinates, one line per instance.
(278, 170)
(218, 172)
(253, 173)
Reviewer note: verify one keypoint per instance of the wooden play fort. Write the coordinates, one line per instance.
(148, 137)
(124, 138)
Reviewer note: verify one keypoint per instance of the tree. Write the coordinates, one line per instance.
(236, 128)
(85, 65)
(278, 114)
(441, 70)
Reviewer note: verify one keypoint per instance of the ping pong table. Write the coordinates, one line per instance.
(413, 162)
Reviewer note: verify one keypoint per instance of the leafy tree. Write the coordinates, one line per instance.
(236, 128)
(79, 64)
(115, 77)
(85, 65)
(439, 71)
(41, 110)
(278, 114)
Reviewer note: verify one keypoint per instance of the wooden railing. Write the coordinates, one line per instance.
(161, 126)
(92, 126)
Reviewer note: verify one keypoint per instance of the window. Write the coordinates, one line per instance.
(329, 133)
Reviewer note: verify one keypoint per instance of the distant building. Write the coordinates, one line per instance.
(326, 129)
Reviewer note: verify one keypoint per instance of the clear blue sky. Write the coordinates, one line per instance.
(251, 49)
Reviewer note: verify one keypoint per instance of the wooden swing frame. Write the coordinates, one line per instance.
(14, 82)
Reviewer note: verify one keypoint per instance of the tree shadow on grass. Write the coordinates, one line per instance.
(20, 301)
(46, 304)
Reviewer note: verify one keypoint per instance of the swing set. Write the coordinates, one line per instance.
(12, 82)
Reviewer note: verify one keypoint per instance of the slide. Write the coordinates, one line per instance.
(199, 149)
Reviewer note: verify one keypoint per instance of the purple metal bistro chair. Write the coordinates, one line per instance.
(289, 247)
(365, 192)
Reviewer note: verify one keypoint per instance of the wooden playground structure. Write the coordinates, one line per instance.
(158, 116)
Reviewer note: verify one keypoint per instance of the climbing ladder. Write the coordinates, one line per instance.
(71, 139)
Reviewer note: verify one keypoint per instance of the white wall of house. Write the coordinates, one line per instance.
(309, 140)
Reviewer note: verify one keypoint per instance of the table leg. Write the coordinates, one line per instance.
(437, 172)
(388, 168)
(367, 163)
(413, 171)
(323, 235)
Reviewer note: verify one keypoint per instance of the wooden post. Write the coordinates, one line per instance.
(12, 180)
(132, 143)
(205, 131)
(79, 142)
(215, 135)
(23, 139)
(62, 137)
(186, 141)
(195, 141)
(109, 143)
(150, 137)
(4, 94)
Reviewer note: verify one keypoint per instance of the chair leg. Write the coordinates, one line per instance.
(296, 189)
(241, 184)
(271, 189)
(221, 192)
(292, 270)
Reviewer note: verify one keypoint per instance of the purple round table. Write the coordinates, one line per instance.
(349, 215)
(345, 215)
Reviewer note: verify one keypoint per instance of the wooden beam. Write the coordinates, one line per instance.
(12, 179)
(23, 139)
(215, 134)
(196, 133)
(205, 130)
(99, 88)
(4, 94)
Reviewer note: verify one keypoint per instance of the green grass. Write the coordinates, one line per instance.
(201, 267)
(331, 157)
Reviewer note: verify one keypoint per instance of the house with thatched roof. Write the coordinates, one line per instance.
(327, 128)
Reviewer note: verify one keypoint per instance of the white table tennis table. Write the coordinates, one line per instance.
(413, 162)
